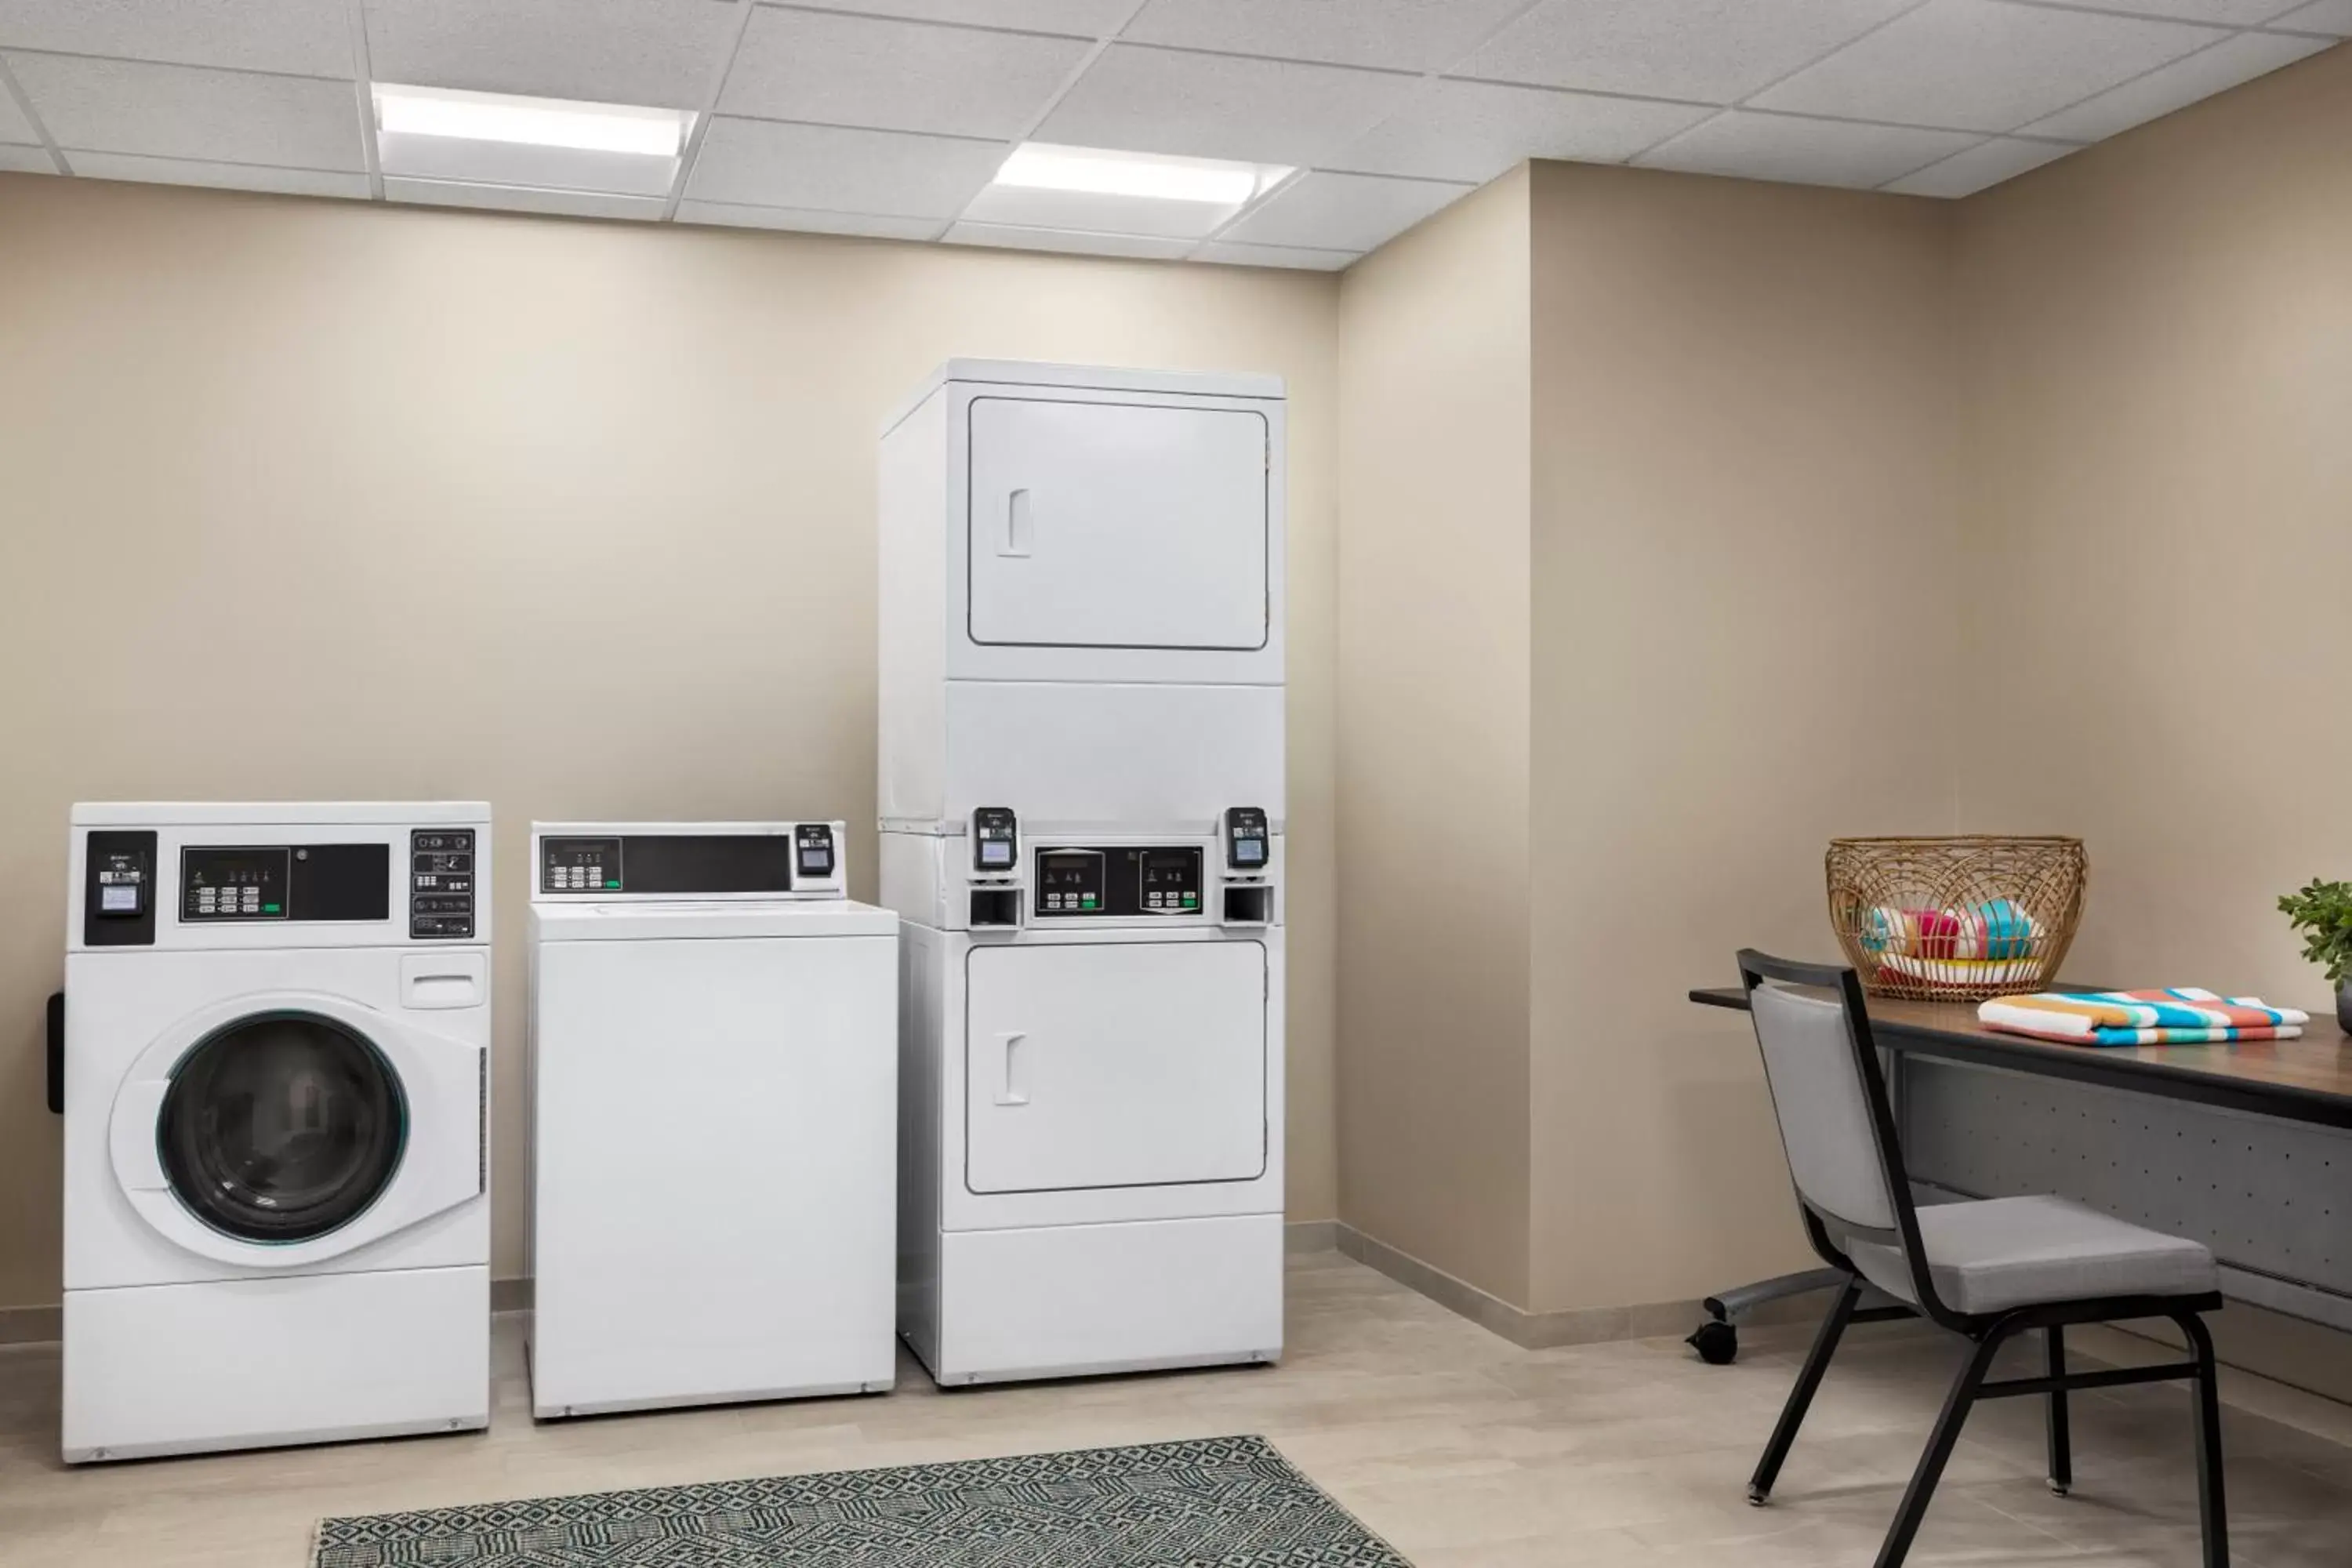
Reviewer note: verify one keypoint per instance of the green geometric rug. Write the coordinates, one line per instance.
(1220, 1502)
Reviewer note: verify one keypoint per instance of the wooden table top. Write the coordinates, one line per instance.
(2306, 1079)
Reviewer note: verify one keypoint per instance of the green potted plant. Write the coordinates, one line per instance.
(2321, 912)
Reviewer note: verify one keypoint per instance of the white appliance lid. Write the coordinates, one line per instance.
(685, 921)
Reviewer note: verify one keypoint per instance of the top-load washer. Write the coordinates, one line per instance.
(276, 1097)
(713, 1083)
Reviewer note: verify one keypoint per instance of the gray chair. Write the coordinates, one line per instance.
(1986, 1271)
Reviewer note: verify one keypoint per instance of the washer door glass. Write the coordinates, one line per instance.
(281, 1126)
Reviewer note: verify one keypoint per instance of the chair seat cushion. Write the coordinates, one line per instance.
(2002, 1253)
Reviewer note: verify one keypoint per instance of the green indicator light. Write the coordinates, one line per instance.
(1088, 901)
(269, 909)
(1192, 899)
(614, 883)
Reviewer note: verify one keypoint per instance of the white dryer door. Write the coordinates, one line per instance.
(1118, 525)
(1114, 1065)
(283, 1128)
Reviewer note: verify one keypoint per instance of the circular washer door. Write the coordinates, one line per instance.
(281, 1126)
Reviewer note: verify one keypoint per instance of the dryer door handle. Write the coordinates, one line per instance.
(133, 1132)
(1007, 1091)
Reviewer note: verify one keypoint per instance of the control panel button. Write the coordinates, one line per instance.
(244, 882)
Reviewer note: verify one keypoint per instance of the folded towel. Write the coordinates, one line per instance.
(2185, 1016)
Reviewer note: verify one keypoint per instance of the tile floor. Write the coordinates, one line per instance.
(1459, 1448)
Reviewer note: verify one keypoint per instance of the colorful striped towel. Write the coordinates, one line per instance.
(2182, 1017)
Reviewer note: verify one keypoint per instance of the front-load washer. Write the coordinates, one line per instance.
(277, 1092)
(1091, 1118)
(713, 1100)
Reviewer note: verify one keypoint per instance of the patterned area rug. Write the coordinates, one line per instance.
(1220, 1502)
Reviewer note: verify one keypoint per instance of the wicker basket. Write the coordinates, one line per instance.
(1955, 920)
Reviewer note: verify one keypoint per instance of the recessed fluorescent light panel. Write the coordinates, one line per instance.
(1094, 190)
(498, 139)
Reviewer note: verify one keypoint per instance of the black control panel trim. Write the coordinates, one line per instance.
(1249, 844)
(441, 884)
(677, 863)
(1120, 881)
(117, 895)
(235, 883)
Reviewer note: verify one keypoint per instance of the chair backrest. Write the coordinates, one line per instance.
(1826, 1092)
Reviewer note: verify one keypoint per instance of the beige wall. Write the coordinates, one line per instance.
(1433, 647)
(574, 517)
(1745, 447)
(2158, 510)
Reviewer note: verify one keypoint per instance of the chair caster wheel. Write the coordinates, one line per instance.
(1758, 1497)
(2060, 1489)
(1718, 1344)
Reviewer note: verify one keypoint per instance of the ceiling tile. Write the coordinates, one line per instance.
(1220, 106)
(1473, 130)
(13, 126)
(803, 221)
(2229, 13)
(1981, 65)
(521, 199)
(660, 52)
(221, 176)
(2321, 17)
(764, 164)
(896, 76)
(2237, 59)
(1343, 211)
(1291, 255)
(1980, 167)
(1091, 212)
(1808, 151)
(1078, 18)
(1711, 51)
(1403, 35)
(25, 161)
(1004, 236)
(187, 112)
(305, 38)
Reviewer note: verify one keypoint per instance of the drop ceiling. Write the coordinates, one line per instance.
(890, 117)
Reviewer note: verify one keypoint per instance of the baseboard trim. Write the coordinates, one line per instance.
(31, 1325)
(1310, 1236)
(1544, 1331)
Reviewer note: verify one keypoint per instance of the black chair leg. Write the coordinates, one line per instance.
(2062, 1448)
(1922, 1489)
(2212, 1507)
(1801, 1398)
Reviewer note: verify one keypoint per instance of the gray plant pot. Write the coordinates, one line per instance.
(2344, 1007)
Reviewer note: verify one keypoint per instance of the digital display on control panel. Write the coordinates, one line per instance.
(995, 839)
(579, 865)
(815, 849)
(441, 883)
(1070, 882)
(1124, 880)
(1246, 838)
(238, 884)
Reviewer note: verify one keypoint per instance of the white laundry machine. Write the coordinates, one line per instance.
(1092, 1100)
(714, 1075)
(276, 1100)
(1081, 691)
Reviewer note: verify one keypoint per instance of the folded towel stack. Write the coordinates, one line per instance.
(2182, 1017)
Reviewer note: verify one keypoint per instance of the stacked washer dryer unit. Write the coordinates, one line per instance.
(276, 1063)
(1081, 781)
(713, 1091)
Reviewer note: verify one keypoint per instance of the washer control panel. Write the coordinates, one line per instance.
(234, 884)
(119, 892)
(441, 883)
(1119, 881)
(579, 865)
(687, 860)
